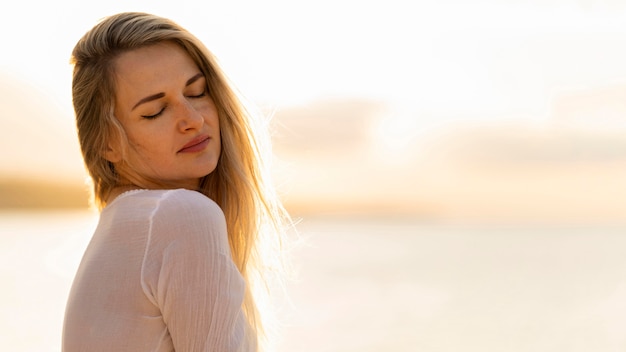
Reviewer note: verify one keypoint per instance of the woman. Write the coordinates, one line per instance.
(176, 167)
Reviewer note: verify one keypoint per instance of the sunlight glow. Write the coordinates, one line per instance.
(554, 66)
(397, 134)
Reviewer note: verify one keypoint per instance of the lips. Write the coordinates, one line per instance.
(195, 145)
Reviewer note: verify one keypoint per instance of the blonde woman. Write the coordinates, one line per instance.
(185, 213)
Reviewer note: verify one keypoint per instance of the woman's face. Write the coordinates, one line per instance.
(163, 104)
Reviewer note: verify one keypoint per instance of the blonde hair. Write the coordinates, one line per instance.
(254, 215)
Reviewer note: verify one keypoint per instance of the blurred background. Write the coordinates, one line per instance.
(456, 167)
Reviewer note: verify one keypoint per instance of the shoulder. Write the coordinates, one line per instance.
(183, 201)
(172, 210)
(185, 208)
(178, 201)
(186, 224)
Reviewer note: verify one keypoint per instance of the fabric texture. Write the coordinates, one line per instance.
(158, 275)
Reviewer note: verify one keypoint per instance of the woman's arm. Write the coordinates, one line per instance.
(192, 277)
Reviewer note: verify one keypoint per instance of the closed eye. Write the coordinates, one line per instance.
(150, 117)
(203, 94)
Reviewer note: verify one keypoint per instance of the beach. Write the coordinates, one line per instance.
(375, 284)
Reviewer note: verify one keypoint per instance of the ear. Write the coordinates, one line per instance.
(113, 153)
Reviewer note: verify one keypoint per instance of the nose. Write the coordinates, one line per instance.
(188, 117)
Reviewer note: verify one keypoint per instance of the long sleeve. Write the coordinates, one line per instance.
(189, 274)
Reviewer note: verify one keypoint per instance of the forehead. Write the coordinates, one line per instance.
(153, 67)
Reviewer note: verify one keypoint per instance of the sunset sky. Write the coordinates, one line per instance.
(394, 121)
(485, 57)
(437, 65)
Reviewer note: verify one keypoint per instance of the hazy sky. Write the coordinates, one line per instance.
(436, 61)
(478, 56)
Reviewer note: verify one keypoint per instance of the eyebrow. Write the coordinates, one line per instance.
(193, 79)
(161, 95)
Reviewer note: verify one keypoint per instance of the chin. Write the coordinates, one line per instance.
(212, 166)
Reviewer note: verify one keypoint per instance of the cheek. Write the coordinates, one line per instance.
(211, 116)
(216, 123)
(145, 146)
(147, 137)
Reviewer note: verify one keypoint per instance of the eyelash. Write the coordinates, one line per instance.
(151, 117)
(200, 95)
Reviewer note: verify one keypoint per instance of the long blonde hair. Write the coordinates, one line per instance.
(254, 215)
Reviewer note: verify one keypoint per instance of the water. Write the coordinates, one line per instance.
(375, 285)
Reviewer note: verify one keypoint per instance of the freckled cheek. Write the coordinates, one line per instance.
(144, 149)
(211, 120)
(215, 122)
(209, 113)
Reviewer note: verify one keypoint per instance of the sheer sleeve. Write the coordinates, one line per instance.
(188, 272)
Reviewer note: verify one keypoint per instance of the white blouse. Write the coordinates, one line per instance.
(158, 276)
